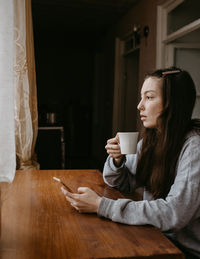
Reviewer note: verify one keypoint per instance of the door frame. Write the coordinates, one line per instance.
(118, 96)
(163, 39)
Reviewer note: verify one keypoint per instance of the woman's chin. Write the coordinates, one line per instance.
(148, 125)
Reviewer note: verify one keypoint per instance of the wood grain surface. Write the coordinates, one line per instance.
(38, 222)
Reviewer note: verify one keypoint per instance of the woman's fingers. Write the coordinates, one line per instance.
(114, 151)
(112, 140)
(72, 201)
(82, 190)
(112, 146)
(86, 200)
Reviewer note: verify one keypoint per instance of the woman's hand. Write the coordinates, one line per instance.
(113, 149)
(86, 200)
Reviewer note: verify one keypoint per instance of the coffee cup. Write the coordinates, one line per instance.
(128, 142)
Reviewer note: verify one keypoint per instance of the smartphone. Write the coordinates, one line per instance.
(66, 187)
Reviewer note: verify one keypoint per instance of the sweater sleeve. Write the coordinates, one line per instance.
(181, 206)
(123, 177)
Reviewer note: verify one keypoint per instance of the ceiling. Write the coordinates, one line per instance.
(78, 15)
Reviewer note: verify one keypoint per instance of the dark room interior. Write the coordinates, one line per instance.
(74, 55)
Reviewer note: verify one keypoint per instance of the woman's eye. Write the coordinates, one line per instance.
(149, 97)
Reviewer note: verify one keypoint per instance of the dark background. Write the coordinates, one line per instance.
(74, 54)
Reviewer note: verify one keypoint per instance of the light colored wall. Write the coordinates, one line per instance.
(143, 13)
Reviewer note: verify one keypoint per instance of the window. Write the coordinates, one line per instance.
(178, 39)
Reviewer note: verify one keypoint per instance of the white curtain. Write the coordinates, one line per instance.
(7, 127)
(18, 98)
(26, 117)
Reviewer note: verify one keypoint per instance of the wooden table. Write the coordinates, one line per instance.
(37, 222)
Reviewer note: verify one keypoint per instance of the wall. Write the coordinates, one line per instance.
(144, 13)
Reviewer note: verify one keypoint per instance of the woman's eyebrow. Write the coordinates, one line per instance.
(148, 91)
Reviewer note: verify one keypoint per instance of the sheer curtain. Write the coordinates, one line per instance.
(25, 86)
(18, 98)
(7, 127)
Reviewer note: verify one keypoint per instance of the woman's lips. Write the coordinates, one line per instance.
(142, 117)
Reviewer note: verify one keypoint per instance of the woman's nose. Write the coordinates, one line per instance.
(140, 106)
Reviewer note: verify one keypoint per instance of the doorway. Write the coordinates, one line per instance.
(131, 64)
(126, 81)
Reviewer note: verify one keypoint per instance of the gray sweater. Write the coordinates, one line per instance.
(178, 215)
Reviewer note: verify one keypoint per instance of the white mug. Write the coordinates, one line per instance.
(128, 142)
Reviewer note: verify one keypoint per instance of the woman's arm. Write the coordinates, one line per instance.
(122, 177)
(86, 200)
(181, 206)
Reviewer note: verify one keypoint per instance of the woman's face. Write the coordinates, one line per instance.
(151, 103)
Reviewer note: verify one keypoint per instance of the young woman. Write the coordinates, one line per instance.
(166, 165)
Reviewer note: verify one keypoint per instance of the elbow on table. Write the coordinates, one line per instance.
(172, 224)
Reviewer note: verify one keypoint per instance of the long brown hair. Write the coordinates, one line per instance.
(161, 148)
